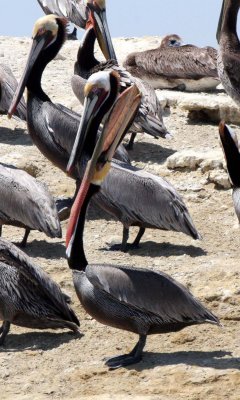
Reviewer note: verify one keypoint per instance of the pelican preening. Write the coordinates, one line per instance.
(28, 296)
(176, 66)
(229, 49)
(8, 86)
(48, 124)
(231, 148)
(149, 118)
(27, 203)
(137, 300)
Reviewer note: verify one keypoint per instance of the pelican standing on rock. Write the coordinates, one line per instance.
(149, 117)
(231, 148)
(137, 300)
(48, 124)
(28, 296)
(8, 86)
(229, 49)
(176, 66)
(27, 203)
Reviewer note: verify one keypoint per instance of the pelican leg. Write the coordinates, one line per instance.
(129, 146)
(4, 331)
(123, 246)
(0, 230)
(25, 237)
(135, 244)
(127, 359)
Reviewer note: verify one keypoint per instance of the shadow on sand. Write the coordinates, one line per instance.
(15, 137)
(203, 359)
(37, 341)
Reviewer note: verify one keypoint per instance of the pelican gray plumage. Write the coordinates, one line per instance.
(48, 124)
(8, 86)
(229, 49)
(176, 66)
(134, 299)
(28, 296)
(231, 148)
(149, 118)
(27, 203)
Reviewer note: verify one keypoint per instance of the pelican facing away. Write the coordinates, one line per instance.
(28, 296)
(176, 66)
(8, 86)
(48, 124)
(231, 148)
(27, 203)
(149, 117)
(229, 49)
(133, 299)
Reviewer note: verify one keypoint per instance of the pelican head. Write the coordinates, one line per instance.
(98, 20)
(100, 92)
(49, 33)
(171, 41)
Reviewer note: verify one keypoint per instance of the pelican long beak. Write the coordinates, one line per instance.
(119, 119)
(102, 31)
(220, 22)
(38, 44)
(90, 107)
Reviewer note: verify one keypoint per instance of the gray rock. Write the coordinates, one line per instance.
(191, 159)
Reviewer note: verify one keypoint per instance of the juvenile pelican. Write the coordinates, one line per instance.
(231, 148)
(133, 299)
(229, 49)
(149, 117)
(176, 66)
(28, 296)
(8, 86)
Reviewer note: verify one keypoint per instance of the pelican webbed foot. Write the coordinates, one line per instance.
(133, 357)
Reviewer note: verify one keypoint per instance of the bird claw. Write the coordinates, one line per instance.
(122, 361)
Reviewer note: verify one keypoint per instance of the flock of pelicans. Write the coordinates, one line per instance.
(88, 147)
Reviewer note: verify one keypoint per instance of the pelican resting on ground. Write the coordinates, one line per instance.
(176, 66)
(133, 299)
(8, 86)
(28, 296)
(231, 148)
(48, 124)
(149, 117)
(229, 49)
(27, 203)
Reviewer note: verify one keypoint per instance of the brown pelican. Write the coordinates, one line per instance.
(134, 299)
(229, 49)
(176, 66)
(48, 124)
(149, 118)
(231, 150)
(27, 203)
(28, 296)
(8, 86)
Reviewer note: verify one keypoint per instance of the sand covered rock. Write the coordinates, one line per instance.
(191, 160)
(202, 107)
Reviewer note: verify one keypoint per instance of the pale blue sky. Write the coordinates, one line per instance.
(195, 21)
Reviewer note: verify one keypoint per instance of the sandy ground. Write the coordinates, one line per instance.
(201, 362)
